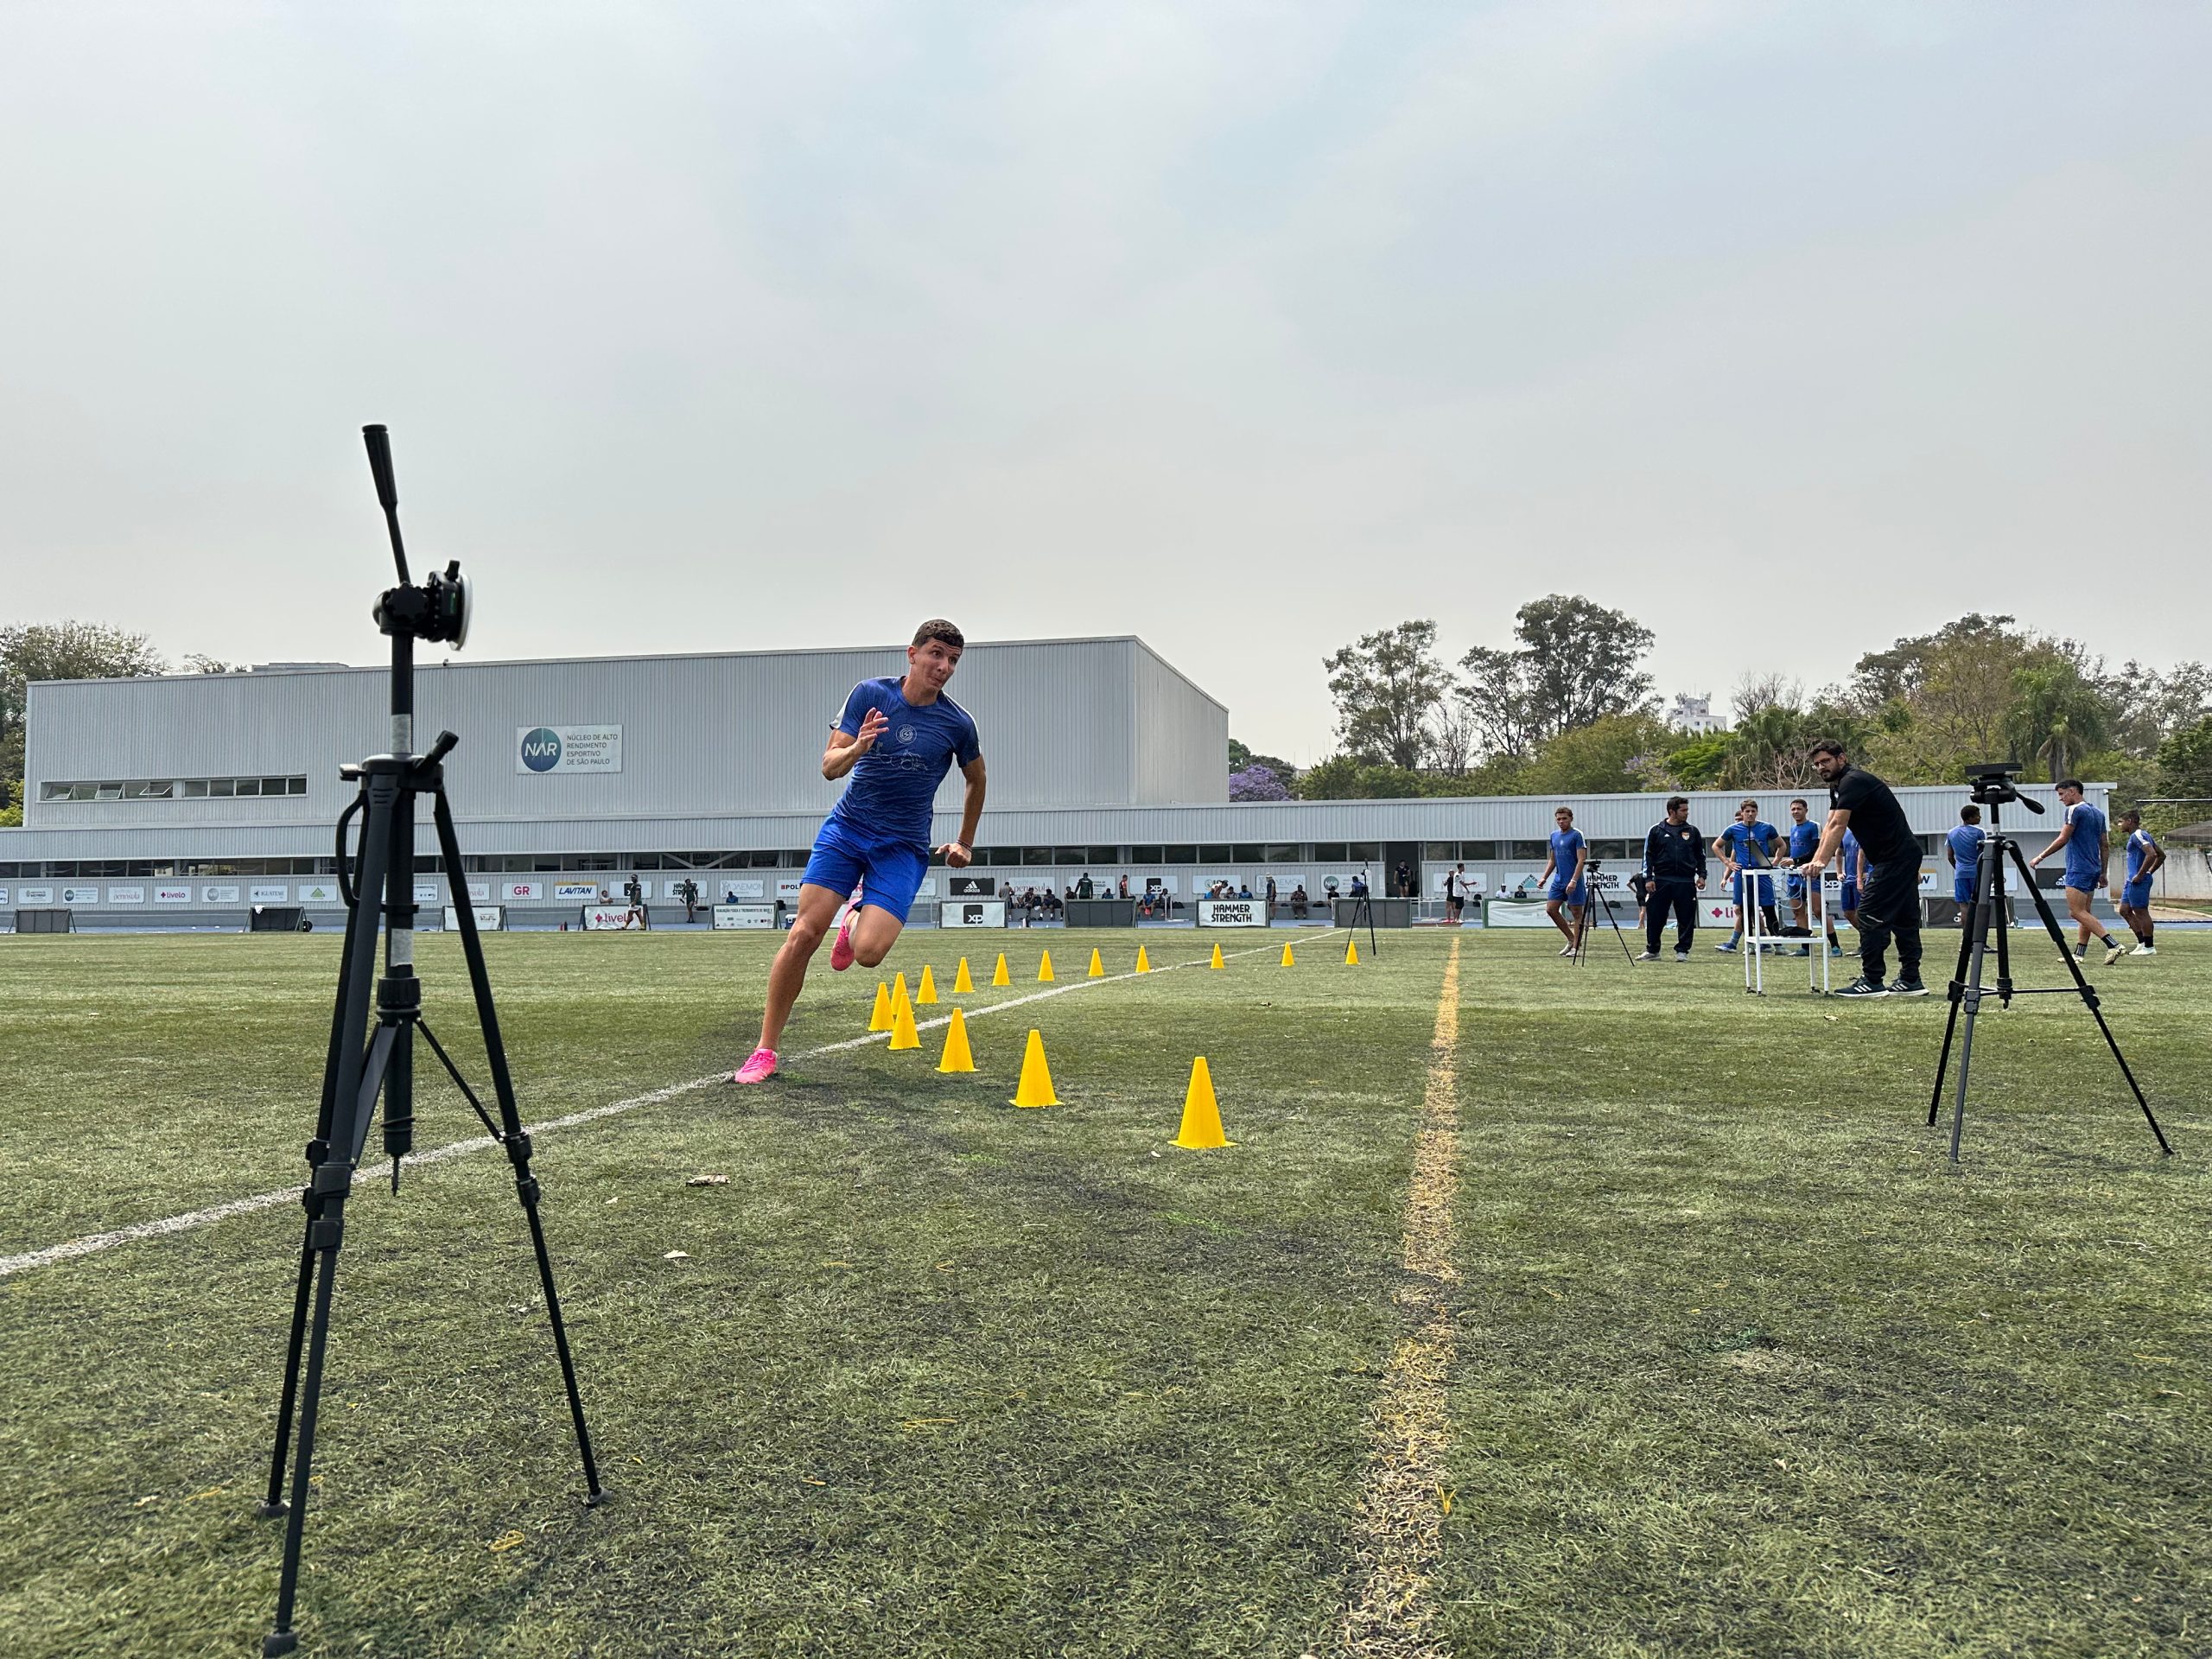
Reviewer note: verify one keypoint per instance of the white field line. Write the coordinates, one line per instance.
(1398, 1534)
(93, 1242)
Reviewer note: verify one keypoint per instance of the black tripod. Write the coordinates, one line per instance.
(1993, 788)
(1596, 891)
(1363, 905)
(355, 1072)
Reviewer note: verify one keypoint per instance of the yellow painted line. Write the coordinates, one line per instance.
(1398, 1534)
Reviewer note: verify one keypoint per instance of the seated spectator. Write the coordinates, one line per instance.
(1244, 892)
(1299, 902)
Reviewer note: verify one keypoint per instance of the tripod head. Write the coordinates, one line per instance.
(1992, 787)
(436, 610)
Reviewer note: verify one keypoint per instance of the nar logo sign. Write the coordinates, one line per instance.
(567, 748)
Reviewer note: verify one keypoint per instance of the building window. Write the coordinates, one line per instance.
(1148, 856)
(1329, 852)
(1214, 854)
(172, 789)
(1181, 856)
(1282, 852)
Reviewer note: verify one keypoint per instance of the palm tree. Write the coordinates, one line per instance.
(2056, 716)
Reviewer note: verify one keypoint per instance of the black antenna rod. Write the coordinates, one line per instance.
(379, 442)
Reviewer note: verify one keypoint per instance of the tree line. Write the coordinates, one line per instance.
(1569, 710)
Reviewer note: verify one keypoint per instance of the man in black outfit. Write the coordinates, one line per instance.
(1674, 873)
(1888, 893)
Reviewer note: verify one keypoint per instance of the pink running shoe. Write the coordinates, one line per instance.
(841, 953)
(759, 1069)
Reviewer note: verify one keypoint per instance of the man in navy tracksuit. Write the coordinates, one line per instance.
(1674, 870)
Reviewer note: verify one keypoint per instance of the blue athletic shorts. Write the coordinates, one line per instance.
(1766, 888)
(1962, 889)
(1796, 886)
(888, 873)
(2085, 880)
(2136, 895)
(1574, 896)
(1848, 898)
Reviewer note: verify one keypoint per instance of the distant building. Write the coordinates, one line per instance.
(1695, 715)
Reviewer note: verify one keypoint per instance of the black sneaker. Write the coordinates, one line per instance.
(1863, 986)
(1903, 987)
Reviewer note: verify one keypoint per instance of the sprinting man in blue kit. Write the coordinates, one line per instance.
(2082, 835)
(1963, 848)
(897, 737)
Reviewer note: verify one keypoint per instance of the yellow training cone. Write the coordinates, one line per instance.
(1097, 967)
(1288, 961)
(1035, 1088)
(1201, 1112)
(955, 1057)
(1351, 953)
(880, 1019)
(903, 1034)
(1218, 962)
(1144, 962)
(926, 991)
(959, 981)
(999, 975)
(1045, 970)
(900, 998)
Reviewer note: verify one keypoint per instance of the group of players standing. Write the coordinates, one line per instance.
(1866, 836)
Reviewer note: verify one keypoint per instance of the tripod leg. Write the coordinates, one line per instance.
(2088, 995)
(1977, 939)
(1957, 990)
(511, 1136)
(273, 1504)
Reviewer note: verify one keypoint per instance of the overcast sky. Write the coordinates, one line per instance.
(1245, 328)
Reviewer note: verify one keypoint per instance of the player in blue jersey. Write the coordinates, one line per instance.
(1801, 841)
(1963, 848)
(1750, 843)
(897, 737)
(1853, 860)
(2082, 835)
(2144, 856)
(1561, 881)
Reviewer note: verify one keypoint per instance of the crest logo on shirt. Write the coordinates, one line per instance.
(906, 734)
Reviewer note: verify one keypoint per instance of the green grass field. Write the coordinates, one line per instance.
(1739, 1363)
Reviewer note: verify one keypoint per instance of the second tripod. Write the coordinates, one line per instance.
(1595, 889)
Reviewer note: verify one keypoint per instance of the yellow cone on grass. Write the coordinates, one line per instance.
(903, 1034)
(1351, 953)
(1201, 1112)
(961, 982)
(1288, 961)
(1045, 970)
(880, 1019)
(1097, 965)
(999, 975)
(1216, 961)
(926, 991)
(1035, 1088)
(955, 1057)
(900, 998)
(1144, 962)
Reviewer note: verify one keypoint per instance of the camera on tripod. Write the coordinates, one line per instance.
(1992, 785)
(436, 611)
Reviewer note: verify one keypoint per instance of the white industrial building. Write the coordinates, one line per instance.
(181, 800)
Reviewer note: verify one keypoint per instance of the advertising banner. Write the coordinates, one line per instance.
(570, 891)
(30, 898)
(1515, 912)
(736, 887)
(3, 898)
(490, 919)
(174, 895)
(730, 917)
(1232, 912)
(972, 912)
(612, 918)
(787, 888)
(514, 892)
(479, 892)
(269, 892)
(567, 748)
(126, 896)
(426, 893)
(1931, 880)
(219, 895)
(960, 884)
(1716, 912)
(321, 891)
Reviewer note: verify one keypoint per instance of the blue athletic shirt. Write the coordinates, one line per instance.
(1567, 844)
(2139, 846)
(1851, 858)
(1751, 845)
(1966, 847)
(2082, 848)
(892, 789)
(1804, 840)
